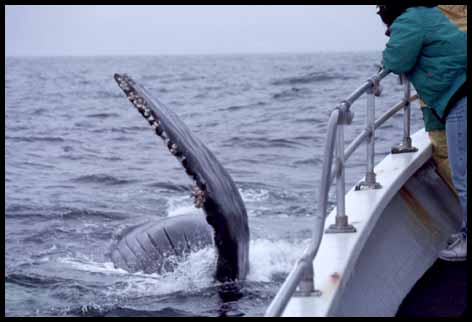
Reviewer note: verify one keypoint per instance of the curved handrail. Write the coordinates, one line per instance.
(292, 281)
(302, 275)
(359, 139)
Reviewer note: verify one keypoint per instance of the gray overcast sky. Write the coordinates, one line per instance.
(181, 29)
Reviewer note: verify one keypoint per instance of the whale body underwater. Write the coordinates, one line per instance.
(150, 246)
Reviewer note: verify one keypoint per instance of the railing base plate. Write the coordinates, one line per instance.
(367, 186)
(403, 149)
(338, 229)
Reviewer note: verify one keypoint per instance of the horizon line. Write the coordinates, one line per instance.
(192, 54)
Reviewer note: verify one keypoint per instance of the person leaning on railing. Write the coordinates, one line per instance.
(457, 14)
(432, 52)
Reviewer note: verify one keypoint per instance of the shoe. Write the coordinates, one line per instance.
(455, 252)
(453, 238)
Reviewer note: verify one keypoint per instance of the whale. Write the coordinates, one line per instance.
(157, 246)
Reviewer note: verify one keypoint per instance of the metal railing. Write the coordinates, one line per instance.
(302, 276)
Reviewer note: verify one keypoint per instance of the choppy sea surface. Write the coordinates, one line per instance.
(81, 166)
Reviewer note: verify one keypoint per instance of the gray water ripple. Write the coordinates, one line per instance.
(313, 77)
(102, 179)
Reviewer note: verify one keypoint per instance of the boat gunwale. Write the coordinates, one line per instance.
(332, 267)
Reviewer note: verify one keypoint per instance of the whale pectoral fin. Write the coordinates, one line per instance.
(189, 235)
(214, 189)
(149, 247)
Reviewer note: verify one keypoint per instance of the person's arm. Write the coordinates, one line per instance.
(404, 45)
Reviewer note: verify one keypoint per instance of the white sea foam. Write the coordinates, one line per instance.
(181, 205)
(193, 273)
(267, 259)
(88, 265)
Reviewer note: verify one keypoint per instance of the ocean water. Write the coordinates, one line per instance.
(81, 166)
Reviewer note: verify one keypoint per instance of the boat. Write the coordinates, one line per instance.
(376, 252)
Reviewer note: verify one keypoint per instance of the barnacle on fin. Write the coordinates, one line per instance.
(198, 196)
(198, 191)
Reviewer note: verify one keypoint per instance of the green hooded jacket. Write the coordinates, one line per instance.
(432, 52)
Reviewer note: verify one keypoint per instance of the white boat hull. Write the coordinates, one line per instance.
(400, 230)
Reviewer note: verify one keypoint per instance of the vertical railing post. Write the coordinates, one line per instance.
(341, 224)
(306, 287)
(307, 284)
(405, 146)
(370, 182)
